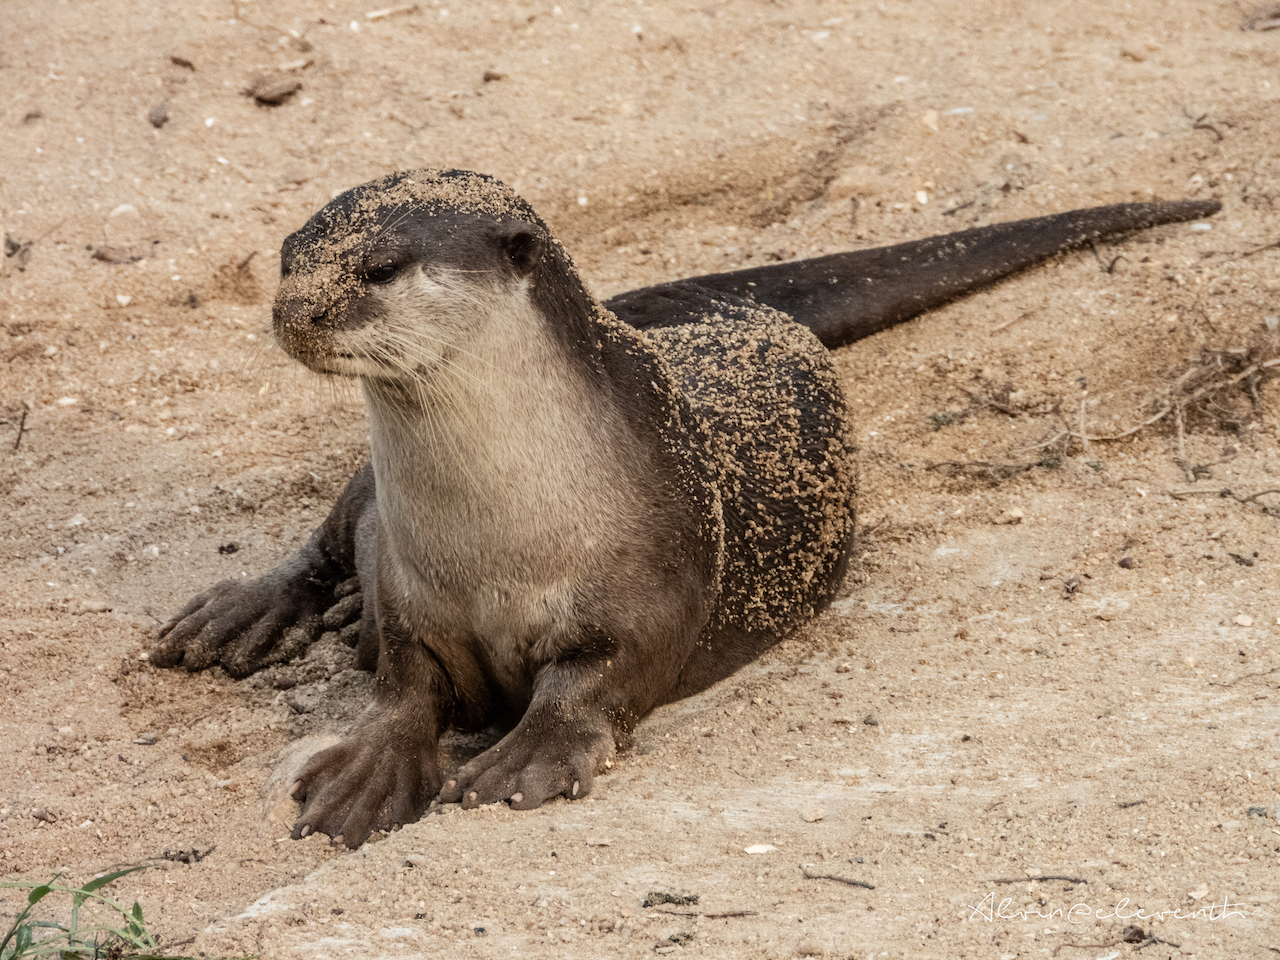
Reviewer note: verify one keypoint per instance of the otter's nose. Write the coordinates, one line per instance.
(297, 313)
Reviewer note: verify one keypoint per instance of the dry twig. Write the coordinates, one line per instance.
(710, 916)
(1008, 323)
(982, 468)
(1266, 246)
(836, 878)
(1197, 123)
(1224, 493)
(1060, 435)
(22, 424)
(1244, 676)
(1084, 432)
(1171, 401)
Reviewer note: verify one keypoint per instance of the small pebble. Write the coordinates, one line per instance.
(391, 12)
(757, 848)
(1265, 17)
(1012, 515)
(158, 115)
(272, 91)
(812, 948)
(1111, 607)
(415, 860)
(1244, 620)
(812, 814)
(114, 255)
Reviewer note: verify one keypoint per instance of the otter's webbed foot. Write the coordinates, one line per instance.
(548, 754)
(380, 777)
(244, 625)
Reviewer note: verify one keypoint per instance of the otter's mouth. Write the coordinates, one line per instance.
(356, 364)
(342, 364)
(319, 355)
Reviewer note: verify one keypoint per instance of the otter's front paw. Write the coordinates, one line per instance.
(244, 625)
(534, 762)
(368, 782)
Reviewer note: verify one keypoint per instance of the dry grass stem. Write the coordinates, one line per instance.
(1201, 374)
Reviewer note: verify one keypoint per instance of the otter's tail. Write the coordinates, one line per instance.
(847, 296)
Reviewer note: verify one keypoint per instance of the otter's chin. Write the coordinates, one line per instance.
(349, 366)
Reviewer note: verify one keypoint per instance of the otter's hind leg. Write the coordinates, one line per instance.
(244, 625)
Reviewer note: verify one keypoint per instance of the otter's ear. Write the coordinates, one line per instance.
(522, 243)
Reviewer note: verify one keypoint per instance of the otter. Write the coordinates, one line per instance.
(574, 512)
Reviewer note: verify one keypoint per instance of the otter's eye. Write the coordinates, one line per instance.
(384, 274)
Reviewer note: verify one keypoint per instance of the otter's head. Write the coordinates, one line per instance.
(390, 277)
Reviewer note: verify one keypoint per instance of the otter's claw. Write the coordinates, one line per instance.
(373, 780)
(531, 764)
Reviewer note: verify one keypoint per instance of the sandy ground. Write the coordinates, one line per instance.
(1052, 679)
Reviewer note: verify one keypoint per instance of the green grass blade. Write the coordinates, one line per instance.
(13, 932)
(23, 941)
(78, 897)
(76, 942)
(39, 893)
(139, 928)
(102, 881)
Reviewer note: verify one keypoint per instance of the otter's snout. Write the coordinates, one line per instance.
(303, 321)
(302, 313)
